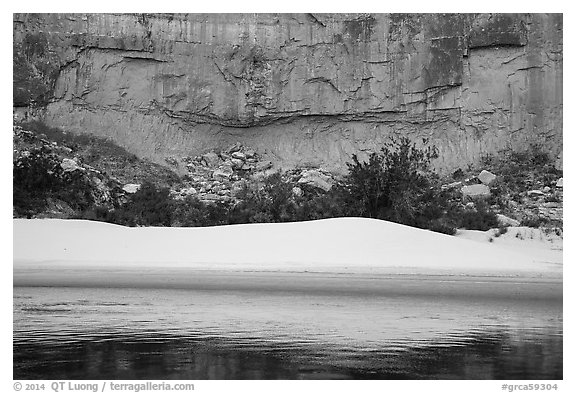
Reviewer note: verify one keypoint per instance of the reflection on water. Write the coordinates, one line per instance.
(88, 333)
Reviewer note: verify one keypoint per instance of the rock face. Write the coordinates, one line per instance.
(300, 89)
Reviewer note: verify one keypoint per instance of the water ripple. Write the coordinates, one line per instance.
(248, 335)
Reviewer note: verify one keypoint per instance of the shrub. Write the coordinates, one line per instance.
(397, 185)
(191, 212)
(316, 204)
(98, 213)
(518, 169)
(277, 198)
(533, 221)
(39, 176)
(149, 206)
(107, 156)
(482, 219)
(458, 174)
(272, 202)
(442, 227)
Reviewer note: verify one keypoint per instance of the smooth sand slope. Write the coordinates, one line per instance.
(351, 244)
(345, 254)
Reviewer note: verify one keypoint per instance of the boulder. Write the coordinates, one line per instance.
(211, 159)
(189, 191)
(535, 193)
(100, 186)
(476, 191)
(237, 163)
(234, 148)
(223, 172)
(297, 191)
(507, 221)
(316, 179)
(217, 188)
(258, 176)
(131, 188)
(91, 169)
(69, 165)
(238, 187)
(211, 197)
(560, 183)
(270, 172)
(486, 177)
(451, 185)
(239, 155)
(546, 189)
(263, 165)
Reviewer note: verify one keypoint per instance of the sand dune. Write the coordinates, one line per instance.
(343, 244)
(342, 256)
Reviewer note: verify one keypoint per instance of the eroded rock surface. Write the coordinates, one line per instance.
(302, 90)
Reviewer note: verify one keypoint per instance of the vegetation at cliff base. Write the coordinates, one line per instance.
(78, 174)
(397, 184)
(38, 177)
(105, 155)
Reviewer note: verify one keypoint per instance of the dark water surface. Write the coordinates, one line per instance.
(123, 333)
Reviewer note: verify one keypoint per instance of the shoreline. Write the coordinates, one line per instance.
(348, 255)
(358, 284)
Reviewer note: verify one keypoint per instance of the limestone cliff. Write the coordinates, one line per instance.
(306, 89)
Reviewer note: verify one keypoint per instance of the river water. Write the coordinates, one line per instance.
(148, 333)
